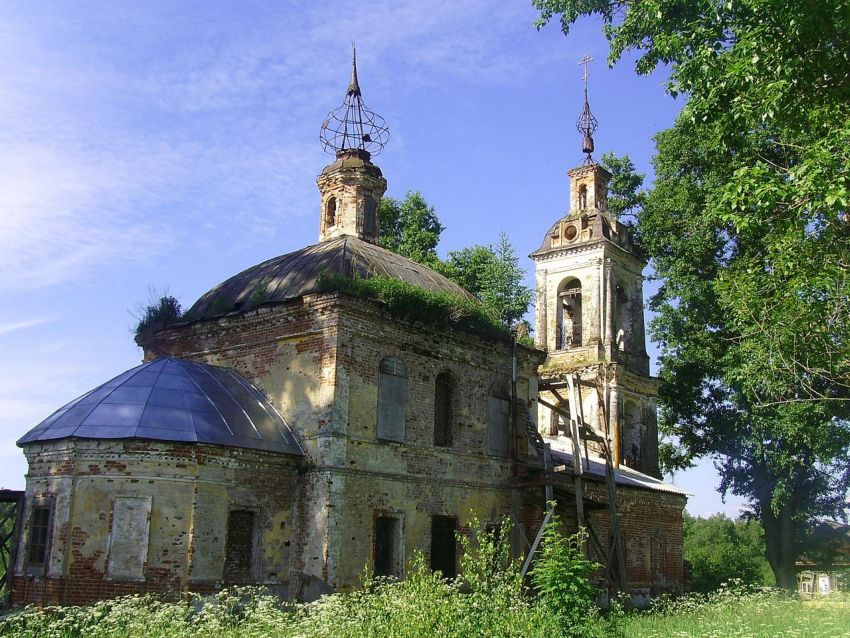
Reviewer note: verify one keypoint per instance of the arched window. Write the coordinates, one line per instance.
(443, 396)
(392, 399)
(582, 197)
(569, 315)
(498, 420)
(330, 212)
(622, 321)
(630, 440)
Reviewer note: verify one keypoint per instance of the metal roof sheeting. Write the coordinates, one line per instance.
(595, 466)
(296, 274)
(172, 399)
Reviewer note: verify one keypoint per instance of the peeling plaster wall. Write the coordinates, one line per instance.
(189, 488)
(317, 360)
(415, 480)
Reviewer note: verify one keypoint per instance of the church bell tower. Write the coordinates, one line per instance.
(352, 186)
(589, 316)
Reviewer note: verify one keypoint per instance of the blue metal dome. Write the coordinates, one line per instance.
(172, 399)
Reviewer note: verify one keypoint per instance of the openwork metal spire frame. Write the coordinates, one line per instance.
(586, 123)
(354, 126)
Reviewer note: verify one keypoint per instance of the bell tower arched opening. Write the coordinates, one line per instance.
(632, 429)
(569, 316)
(330, 212)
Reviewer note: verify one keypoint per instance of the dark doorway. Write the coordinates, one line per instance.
(387, 537)
(444, 545)
(239, 548)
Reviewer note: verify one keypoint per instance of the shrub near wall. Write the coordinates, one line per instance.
(489, 599)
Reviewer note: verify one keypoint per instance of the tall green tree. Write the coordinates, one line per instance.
(410, 227)
(747, 226)
(494, 275)
(719, 549)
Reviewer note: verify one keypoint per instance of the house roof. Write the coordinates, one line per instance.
(595, 466)
(172, 399)
(297, 273)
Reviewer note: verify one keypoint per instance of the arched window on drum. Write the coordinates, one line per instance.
(392, 399)
(330, 212)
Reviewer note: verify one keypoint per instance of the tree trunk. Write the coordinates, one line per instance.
(780, 548)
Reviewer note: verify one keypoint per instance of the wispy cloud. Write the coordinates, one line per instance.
(14, 326)
(120, 143)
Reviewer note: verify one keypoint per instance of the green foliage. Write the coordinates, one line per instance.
(159, 314)
(562, 576)
(720, 550)
(747, 225)
(494, 276)
(407, 301)
(258, 295)
(410, 228)
(625, 190)
(488, 600)
(425, 606)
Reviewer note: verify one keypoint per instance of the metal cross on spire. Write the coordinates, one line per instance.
(586, 123)
(586, 59)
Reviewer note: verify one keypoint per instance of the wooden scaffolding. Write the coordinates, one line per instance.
(611, 558)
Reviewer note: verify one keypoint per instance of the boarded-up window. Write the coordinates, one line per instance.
(370, 217)
(392, 399)
(498, 420)
(444, 545)
(128, 541)
(39, 534)
(388, 543)
(443, 391)
(239, 547)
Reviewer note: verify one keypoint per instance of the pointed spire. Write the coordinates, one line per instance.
(352, 127)
(354, 85)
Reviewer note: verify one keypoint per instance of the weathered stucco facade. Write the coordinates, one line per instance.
(137, 516)
(589, 320)
(318, 360)
(590, 314)
(288, 434)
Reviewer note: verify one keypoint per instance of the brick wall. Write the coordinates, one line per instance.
(191, 489)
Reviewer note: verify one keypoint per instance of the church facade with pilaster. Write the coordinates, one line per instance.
(589, 320)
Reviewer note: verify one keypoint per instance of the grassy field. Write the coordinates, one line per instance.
(430, 609)
(752, 615)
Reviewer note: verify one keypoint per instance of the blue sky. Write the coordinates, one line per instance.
(170, 145)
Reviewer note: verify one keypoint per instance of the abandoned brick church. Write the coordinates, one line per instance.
(289, 435)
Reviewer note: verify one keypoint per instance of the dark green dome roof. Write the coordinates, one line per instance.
(297, 273)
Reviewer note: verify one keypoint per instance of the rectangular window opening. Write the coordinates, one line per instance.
(239, 547)
(443, 410)
(387, 558)
(444, 545)
(39, 534)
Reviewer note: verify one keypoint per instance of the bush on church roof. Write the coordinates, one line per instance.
(406, 301)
